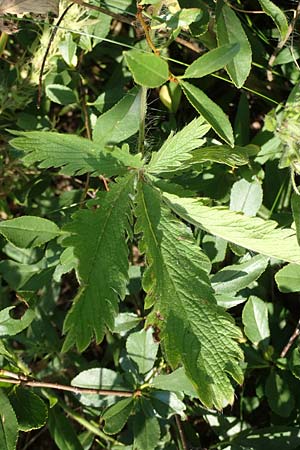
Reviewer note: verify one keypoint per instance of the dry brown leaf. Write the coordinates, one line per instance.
(28, 6)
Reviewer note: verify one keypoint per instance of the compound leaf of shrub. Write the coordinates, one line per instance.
(177, 148)
(74, 154)
(195, 331)
(256, 322)
(8, 424)
(230, 31)
(29, 231)
(252, 233)
(212, 61)
(117, 415)
(121, 121)
(30, 409)
(142, 349)
(147, 69)
(10, 326)
(277, 16)
(288, 278)
(209, 110)
(98, 238)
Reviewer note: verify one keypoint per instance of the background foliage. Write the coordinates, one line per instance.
(150, 228)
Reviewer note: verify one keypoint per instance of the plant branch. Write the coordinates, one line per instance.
(291, 340)
(282, 42)
(181, 433)
(115, 16)
(24, 381)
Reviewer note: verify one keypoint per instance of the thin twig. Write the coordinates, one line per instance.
(282, 43)
(181, 433)
(244, 10)
(23, 381)
(146, 28)
(291, 340)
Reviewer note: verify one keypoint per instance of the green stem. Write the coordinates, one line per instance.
(143, 110)
(3, 41)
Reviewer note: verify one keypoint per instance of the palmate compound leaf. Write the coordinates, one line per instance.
(177, 148)
(74, 154)
(98, 237)
(253, 233)
(195, 331)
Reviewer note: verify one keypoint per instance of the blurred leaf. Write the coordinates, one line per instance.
(280, 394)
(62, 431)
(29, 231)
(277, 14)
(288, 278)
(9, 424)
(58, 93)
(295, 203)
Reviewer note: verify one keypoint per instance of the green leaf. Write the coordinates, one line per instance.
(67, 48)
(212, 61)
(74, 154)
(246, 197)
(167, 404)
(142, 349)
(97, 378)
(222, 154)
(117, 415)
(29, 231)
(279, 394)
(232, 279)
(277, 15)
(103, 264)
(58, 93)
(294, 363)
(255, 320)
(147, 69)
(230, 31)
(177, 148)
(8, 424)
(242, 121)
(295, 203)
(176, 381)
(10, 326)
(288, 278)
(30, 409)
(121, 121)
(62, 431)
(209, 110)
(253, 233)
(195, 331)
(146, 432)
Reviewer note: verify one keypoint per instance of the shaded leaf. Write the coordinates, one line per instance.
(209, 110)
(62, 430)
(119, 122)
(103, 264)
(142, 349)
(280, 394)
(30, 409)
(277, 15)
(117, 415)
